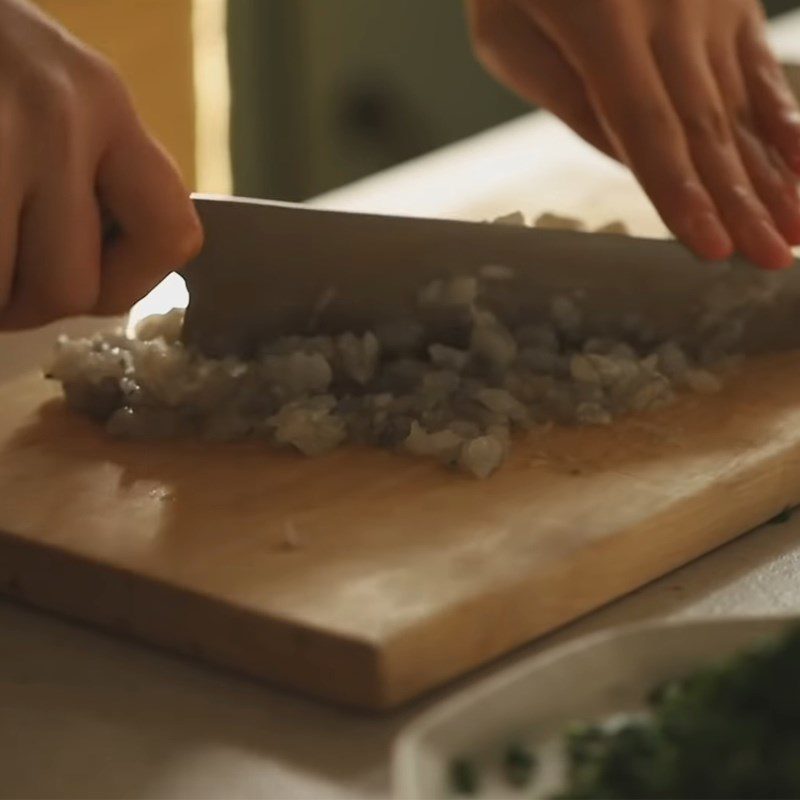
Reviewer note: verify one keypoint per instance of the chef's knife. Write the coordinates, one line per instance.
(270, 268)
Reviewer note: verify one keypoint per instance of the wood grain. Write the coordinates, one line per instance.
(406, 575)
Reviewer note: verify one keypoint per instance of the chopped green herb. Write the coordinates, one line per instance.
(582, 742)
(779, 519)
(728, 730)
(662, 691)
(463, 776)
(519, 765)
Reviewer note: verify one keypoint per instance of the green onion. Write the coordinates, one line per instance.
(779, 519)
(519, 765)
(463, 777)
(728, 729)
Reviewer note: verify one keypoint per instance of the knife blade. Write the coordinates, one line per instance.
(271, 268)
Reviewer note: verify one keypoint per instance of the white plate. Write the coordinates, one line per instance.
(534, 701)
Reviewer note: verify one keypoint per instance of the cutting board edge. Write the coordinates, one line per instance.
(377, 680)
(71, 586)
(406, 683)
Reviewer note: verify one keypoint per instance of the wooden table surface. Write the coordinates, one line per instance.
(84, 715)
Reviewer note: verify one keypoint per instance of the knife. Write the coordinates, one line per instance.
(271, 268)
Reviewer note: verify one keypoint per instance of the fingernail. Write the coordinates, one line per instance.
(709, 238)
(792, 121)
(787, 216)
(764, 246)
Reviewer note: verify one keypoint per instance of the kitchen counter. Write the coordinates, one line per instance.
(87, 715)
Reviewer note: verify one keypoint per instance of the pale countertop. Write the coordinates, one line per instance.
(87, 715)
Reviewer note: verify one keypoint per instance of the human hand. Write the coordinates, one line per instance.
(73, 156)
(685, 92)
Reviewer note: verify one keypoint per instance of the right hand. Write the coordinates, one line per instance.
(73, 156)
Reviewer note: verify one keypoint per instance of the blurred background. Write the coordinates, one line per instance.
(289, 98)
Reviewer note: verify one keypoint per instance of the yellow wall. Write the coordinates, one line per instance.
(150, 42)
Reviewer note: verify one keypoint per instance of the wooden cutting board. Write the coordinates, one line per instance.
(366, 577)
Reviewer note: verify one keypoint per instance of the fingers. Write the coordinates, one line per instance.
(707, 128)
(68, 135)
(516, 52)
(51, 225)
(58, 257)
(772, 180)
(52, 260)
(10, 209)
(773, 104)
(626, 87)
(689, 130)
(157, 229)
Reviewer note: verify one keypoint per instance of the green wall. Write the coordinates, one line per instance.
(326, 91)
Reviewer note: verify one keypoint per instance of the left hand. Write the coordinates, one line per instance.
(687, 93)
